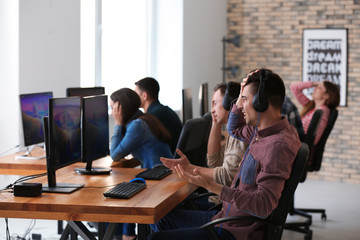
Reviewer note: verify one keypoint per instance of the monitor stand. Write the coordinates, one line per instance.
(62, 188)
(27, 154)
(93, 171)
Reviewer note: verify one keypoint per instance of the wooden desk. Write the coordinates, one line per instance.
(89, 204)
(10, 165)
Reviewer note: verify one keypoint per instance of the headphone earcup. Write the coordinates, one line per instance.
(260, 105)
(227, 102)
(232, 92)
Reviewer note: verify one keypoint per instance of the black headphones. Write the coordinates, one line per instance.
(260, 100)
(232, 92)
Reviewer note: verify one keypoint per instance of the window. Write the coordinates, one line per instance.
(139, 38)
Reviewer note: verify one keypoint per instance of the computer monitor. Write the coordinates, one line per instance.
(33, 106)
(187, 112)
(95, 133)
(63, 140)
(204, 99)
(84, 92)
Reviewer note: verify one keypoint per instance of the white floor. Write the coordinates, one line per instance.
(341, 201)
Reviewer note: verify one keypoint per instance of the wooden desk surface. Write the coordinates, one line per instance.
(10, 165)
(89, 204)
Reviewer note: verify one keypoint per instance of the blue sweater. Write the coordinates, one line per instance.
(139, 141)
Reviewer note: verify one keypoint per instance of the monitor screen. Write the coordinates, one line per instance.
(84, 92)
(204, 99)
(34, 107)
(187, 112)
(95, 133)
(63, 140)
(65, 131)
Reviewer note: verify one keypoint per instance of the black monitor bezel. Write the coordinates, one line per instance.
(88, 91)
(84, 148)
(204, 98)
(187, 109)
(53, 185)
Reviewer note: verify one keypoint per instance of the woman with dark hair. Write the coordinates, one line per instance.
(136, 133)
(325, 96)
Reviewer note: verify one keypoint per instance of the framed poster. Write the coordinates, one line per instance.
(325, 58)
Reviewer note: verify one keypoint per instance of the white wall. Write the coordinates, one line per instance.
(9, 74)
(45, 34)
(204, 27)
(49, 46)
(40, 51)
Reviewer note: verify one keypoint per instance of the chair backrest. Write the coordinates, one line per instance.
(317, 151)
(193, 140)
(313, 127)
(278, 216)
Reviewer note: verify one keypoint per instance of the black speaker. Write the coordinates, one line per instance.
(260, 100)
(232, 92)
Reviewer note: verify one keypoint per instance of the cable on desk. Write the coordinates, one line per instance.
(10, 187)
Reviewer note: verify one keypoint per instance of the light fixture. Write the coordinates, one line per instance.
(233, 70)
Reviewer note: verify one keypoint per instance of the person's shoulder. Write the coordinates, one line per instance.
(135, 123)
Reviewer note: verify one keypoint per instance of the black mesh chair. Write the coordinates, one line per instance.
(193, 140)
(315, 160)
(275, 222)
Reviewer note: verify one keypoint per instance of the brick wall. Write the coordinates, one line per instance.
(271, 33)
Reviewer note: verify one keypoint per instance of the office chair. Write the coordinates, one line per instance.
(315, 159)
(193, 140)
(276, 220)
(316, 155)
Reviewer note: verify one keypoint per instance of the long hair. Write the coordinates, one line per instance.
(130, 103)
(332, 102)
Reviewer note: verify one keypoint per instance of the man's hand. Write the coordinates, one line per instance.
(244, 81)
(198, 178)
(183, 161)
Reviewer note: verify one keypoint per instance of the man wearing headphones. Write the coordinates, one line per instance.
(222, 160)
(267, 164)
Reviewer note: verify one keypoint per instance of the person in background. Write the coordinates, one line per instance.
(260, 178)
(223, 158)
(148, 90)
(290, 110)
(325, 96)
(136, 133)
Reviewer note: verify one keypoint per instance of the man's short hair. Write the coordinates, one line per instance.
(149, 85)
(274, 87)
(222, 87)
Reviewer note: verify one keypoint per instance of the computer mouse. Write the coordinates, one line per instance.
(138, 180)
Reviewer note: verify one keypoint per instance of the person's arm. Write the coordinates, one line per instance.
(214, 141)
(122, 145)
(323, 124)
(234, 153)
(297, 90)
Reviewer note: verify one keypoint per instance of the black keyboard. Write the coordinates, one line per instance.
(125, 190)
(154, 173)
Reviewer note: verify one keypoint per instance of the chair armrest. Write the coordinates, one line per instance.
(209, 227)
(231, 219)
